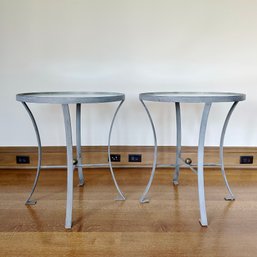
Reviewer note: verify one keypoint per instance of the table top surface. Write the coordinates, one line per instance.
(70, 97)
(192, 97)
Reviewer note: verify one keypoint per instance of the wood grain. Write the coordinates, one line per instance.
(167, 226)
(53, 155)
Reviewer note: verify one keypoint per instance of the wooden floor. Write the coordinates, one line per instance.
(167, 226)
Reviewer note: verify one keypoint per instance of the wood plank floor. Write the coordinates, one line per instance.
(102, 227)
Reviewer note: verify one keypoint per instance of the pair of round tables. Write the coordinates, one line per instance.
(178, 98)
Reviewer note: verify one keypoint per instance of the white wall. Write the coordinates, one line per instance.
(128, 46)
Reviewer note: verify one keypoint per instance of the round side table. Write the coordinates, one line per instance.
(206, 98)
(65, 99)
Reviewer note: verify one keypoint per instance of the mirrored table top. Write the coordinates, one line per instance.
(192, 97)
(70, 97)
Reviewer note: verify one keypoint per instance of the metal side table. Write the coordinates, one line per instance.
(64, 99)
(206, 98)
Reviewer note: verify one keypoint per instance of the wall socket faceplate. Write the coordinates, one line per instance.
(22, 159)
(246, 159)
(135, 157)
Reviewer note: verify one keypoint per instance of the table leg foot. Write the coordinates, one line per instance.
(175, 182)
(229, 198)
(120, 198)
(144, 200)
(203, 224)
(31, 202)
(81, 183)
(68, 226)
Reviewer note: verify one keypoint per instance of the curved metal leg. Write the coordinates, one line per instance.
(201, 194)
(143, 198)
(78, 144)
(178, 147)
(29, 201)
(230, 196)
(68, 133)
(121, 196)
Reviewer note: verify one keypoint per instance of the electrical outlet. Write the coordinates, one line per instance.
(246, 159)
(21, 159)
(135, 157)
(115, 157)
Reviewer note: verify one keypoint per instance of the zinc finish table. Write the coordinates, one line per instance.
(206, 98)
(64, 99)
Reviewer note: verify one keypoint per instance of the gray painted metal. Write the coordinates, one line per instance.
(192, 97)
(208, 98)
(229, 197)
(66, 98)
(70, 97)
(200, 162)
(29, 201)
(143, 198)
(121, 196)
(68, 133)
(178, 148)
(78, 144)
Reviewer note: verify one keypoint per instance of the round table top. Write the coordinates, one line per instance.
(70, 97)
(192, 97)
